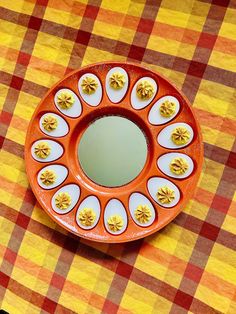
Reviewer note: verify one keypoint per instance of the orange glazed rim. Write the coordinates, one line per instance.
(69, 158)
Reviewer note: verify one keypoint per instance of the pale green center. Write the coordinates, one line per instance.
(112, 151)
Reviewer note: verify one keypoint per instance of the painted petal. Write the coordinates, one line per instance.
(137, 199)
(74, 191)
(95, 98)
(93, 203)
(75, 110)
(164, 137)
(115, 207)
(116, 95)
(61, 173)
(156, 183)
(56, 150)
(138, 103)
(62, 127)
(164, 161)
(154, 116)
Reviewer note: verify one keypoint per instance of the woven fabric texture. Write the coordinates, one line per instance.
(190, 265)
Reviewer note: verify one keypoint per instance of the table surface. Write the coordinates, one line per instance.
(190, 265)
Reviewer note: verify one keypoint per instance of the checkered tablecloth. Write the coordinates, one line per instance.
(190, 265)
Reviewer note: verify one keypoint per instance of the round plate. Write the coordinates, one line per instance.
(121, 200)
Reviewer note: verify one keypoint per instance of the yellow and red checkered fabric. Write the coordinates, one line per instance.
(189, 266)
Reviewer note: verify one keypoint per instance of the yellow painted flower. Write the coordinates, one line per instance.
(144, 90)
(63, 200)
(178, 166)
(115, 223)
(65, 100)
(49, 123)
(87, 217)
(89, 85)
(180, 136)
(42, 150)
(165, 195)
(143, 213)
(167, 108)
(117, 80)
(48, 177)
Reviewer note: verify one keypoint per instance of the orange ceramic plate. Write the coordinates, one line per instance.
(65, 154)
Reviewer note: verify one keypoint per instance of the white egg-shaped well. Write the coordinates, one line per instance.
(155, 183)
(91, 99)
(62, 127)
(75, 110)
(74, 191)
(56, 150)
(138, 103)
(60, 172)
(116, 95)
(137, 199)
(165, 160)
(115, 207)
(164, 137)
(93, 203)
(155, 117)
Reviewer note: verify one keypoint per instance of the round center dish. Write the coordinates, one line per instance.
(112, 151)
(139, 204)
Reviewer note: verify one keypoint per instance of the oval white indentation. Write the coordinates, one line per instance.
(61, 173)
(155, 183)
(74, 191)
(137, 199)
(56, 150)
(154, 116)
(92, 99)
(164, 137)
(62, 126)
(75, 110)
(93, 203)
(115, 207)
(116, 95)
(164, 161)
(138, 103)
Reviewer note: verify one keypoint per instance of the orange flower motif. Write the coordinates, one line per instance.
(87, 217)
(89, 85)
(48, 177)
(49, 123)
(143, 213)
(145, 90)
(180, 136)
(117, 80)
(178, 166)
(42, 150)
(65, 100)
(115, 223)
(165, 195)
(63, 200)
(167, 109)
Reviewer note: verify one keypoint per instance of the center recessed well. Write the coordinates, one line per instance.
(112, 151)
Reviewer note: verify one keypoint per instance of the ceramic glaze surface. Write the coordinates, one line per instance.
(140, 205)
